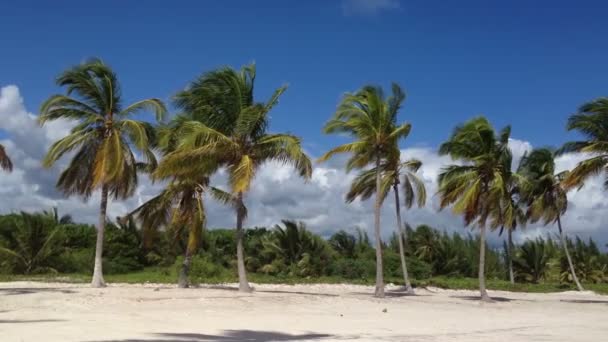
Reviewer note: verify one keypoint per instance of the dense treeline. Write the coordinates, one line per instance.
(221, 125)
(35, 243)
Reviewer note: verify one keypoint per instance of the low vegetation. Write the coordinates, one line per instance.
(287, 253)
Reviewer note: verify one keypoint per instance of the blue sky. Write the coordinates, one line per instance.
(525, 63)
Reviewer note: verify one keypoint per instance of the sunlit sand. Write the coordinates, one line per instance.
(50, 312)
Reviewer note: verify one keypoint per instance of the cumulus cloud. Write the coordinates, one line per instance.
(277, 193)
(368, 7)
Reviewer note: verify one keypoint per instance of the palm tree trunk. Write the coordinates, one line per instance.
(240, 257)
(406, 278)
(182, 281)
(482, 265)
(98, 269)
(510, 255)
(379, 271)
(565, 246)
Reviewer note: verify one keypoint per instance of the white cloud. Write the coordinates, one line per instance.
(278, 193)
(368, 7)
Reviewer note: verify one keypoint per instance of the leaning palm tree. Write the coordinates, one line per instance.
(370, 118)
(364, 186)
(178, 208)
(592, 122)
(224, 127)
(547, 198)
(104, 138)
(476, 187)
(5, 162)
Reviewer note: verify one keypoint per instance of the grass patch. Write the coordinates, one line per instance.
(169, 276)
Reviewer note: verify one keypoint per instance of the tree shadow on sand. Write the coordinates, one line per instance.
(584, 301)
(392, 294)
(494, 299)
(228, 336)
(15, 321)
(234, 289)
(299, 293)
(29, 290)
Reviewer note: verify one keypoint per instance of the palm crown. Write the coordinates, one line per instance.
(225, 127)
(546, 197)
(103, 135)
(5, 161)
(592, 122)
(370, 118)
(393, 172)
(480, 184)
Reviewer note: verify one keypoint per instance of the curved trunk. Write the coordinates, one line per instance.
(482, 265)
(400, 235)
(98, 269)
(510, 255)
(240, 257)
(182, 281)
(379, 271)
(565, 247)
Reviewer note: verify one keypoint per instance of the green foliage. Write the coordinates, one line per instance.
(532, 260)
(104, 137)
(31, 243)
(289, 253)
(591, 266)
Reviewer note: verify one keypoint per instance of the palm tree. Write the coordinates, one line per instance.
(370, 118)
(5, 162)
(475, 188)
(34, 242)
(104, 138)
(510, 214)
(532, 260)
(180, 207)
(364, 186)
(225, 127)
(592, 122)
(547, 199)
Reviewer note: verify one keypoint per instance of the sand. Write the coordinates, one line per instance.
(49, 312)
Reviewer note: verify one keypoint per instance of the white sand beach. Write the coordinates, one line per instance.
(50, 312)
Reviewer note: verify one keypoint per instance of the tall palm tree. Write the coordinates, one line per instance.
(225, 127)
(592, 122)
(5, 162)
(178, 208)
(104, 138)
(475, 188)
(547, 198)
(370, 118)
(364, 186)
(510, 214)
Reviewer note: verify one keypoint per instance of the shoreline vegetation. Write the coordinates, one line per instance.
(165, 277)
(222, 126)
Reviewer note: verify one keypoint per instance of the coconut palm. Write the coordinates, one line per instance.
(475, 188)
(510, 214)
(547, 198)
(178, 208)
(592, 122)
(225, 127)
(5, 162)
(370, 118)
(393, 170)
(532, 260)
(103, 139)
(35, 240)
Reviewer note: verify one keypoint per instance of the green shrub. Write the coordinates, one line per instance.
(353, 268)
(201, 268)
(76, 261)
